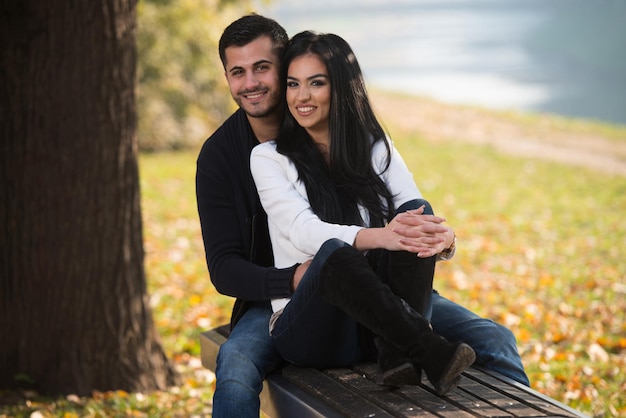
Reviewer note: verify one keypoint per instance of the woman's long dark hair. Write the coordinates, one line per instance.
(336, 189)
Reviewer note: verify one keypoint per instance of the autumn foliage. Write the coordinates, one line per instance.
(540, 249)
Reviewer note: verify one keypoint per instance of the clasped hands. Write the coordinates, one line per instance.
(424, 235)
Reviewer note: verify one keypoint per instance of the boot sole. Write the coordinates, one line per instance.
(463, 358)
(403, 375)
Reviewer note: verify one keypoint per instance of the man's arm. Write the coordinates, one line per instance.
(227, 232)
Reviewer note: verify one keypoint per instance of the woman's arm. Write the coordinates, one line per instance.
(289, 212)
(284, 198)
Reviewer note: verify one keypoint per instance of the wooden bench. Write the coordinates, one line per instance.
(352, 392)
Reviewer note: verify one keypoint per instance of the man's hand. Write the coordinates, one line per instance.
(298, 274)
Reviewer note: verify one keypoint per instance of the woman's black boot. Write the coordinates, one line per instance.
(347, 281)
(395, 368)
(411, 278)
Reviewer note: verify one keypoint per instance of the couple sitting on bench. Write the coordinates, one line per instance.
(354, 244)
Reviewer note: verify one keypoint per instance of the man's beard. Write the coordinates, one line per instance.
(261, 113)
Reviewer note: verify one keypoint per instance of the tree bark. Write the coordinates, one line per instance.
(74, 310)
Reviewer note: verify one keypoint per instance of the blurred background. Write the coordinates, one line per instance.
(542, 243)
(566, 57)
(541, 240)
(563, 57)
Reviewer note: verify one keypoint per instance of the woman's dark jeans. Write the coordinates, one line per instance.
(313, 333)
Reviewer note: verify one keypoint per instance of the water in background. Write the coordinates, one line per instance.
(566, 57)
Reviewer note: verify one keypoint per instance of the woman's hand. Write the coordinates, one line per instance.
(425, 235)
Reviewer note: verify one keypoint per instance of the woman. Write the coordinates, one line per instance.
(331, 184)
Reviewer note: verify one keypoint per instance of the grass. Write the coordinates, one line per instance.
(540, 249)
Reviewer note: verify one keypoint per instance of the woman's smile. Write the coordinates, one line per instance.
(309, 95)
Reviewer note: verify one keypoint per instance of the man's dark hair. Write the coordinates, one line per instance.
(248, 28)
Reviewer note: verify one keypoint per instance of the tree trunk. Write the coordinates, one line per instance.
(74, 310)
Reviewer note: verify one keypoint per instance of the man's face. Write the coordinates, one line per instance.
(252, 73)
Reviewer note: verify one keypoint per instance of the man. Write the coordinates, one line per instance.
(237, 245)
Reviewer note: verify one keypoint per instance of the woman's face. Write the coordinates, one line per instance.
(308, 95)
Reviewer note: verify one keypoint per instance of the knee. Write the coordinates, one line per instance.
(496, 338)
(235, 365)
(238, 383)
(329, 247)
(502, 334)
(232, 353)
(333, 244)
(415, 204)
(508, 341)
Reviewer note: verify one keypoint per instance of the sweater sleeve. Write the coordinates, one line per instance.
(222, 183)
(297, 233)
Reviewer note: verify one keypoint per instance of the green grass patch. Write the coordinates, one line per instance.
(539, 250)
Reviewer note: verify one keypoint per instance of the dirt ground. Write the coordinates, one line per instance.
(546, 137)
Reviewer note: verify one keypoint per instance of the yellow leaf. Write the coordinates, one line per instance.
(194, 300)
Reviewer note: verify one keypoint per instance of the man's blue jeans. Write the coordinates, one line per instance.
(494, 344)
(243, 362)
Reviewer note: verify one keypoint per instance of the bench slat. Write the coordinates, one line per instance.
(345, 399)
(389, 400)
(462, 399)
(502, 400)
(352, 392)
(281, 398)
(523, 394)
